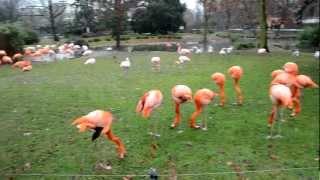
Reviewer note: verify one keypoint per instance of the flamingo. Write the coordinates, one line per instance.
(17, 57)
(296, 52)
(147, 103)
(125, 65)
(182, 51)
(281, 97)
(223, 51)
(201, 98)
(155, 62)
(27, 68)
(236, 73)
(2, 53)
(276, 72)
(7, 60)
(262, 51)
(90, 61)
(21, 64)
(183, 59)
(180, 94)
(219, 79)
(304, 82)
(100, 122)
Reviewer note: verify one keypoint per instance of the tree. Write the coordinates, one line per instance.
(85, 15)
(159, 17)
(263, 26)
(209, 6)
(51, 11)
(9, 10)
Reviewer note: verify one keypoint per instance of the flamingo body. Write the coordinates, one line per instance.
(100, 121)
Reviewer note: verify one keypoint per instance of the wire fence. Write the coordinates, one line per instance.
(161, 175)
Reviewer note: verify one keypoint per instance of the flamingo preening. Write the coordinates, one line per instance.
(236, 73)
(147, 103)
(304, 82)
(180, 95)
(202, 98)
(220, 79)
(100, 122)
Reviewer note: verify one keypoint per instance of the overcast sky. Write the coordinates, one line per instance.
(191, 4)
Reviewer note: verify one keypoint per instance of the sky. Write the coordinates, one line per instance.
(191, 4)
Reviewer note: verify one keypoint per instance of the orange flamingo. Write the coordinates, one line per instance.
(147, 103)
(220, 79)
(236, 73)
(201, 98)
(100, 122)
(281, 97)
(291, 68)
(17, 57)
(304, 82)
(275, 73)
(22, 64)
(180, 95)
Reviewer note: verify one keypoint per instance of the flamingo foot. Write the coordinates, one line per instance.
(204, 129)
(173, 126)
(195, 126)
(293, 114)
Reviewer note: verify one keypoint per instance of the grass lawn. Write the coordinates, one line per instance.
(37, 108)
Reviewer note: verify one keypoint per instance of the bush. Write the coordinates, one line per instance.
(244, 45)
(234, 37)
(11, 39)
(30, 37)
(96, 40)
(154, 48)
(310, 37)
(81, 42)
(107, 39)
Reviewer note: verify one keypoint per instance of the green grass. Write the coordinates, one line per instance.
(44, 102)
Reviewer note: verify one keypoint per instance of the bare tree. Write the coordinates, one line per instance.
(9, 10)
(209, 6)
(263, 26)
(52, 11)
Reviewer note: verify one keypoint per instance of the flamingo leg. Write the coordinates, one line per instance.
(279, 121)
(204, 122)
(178, 116)
(222, 96)
(194, 115)
(271, 121)
(238, 92)
(120, 146)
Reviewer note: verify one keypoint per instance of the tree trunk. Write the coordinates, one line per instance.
(263, 26)
(205, 28)
(52, 21)
(118, 11)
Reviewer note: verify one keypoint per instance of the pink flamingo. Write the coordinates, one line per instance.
(236, 73)
(180, 95)
(220, 79)
(304, 82)
(147, 103)
(281, 97)
(100, 122)
(202, 98)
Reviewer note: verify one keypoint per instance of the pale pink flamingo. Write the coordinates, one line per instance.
(180, 94)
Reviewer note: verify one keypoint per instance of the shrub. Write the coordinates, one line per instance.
(30, 37)
(234, 37)
(11, 39)
(154, 48)
(310, 37)
(81, 42)
(96, 40)
(244, 45)
(107, 39)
